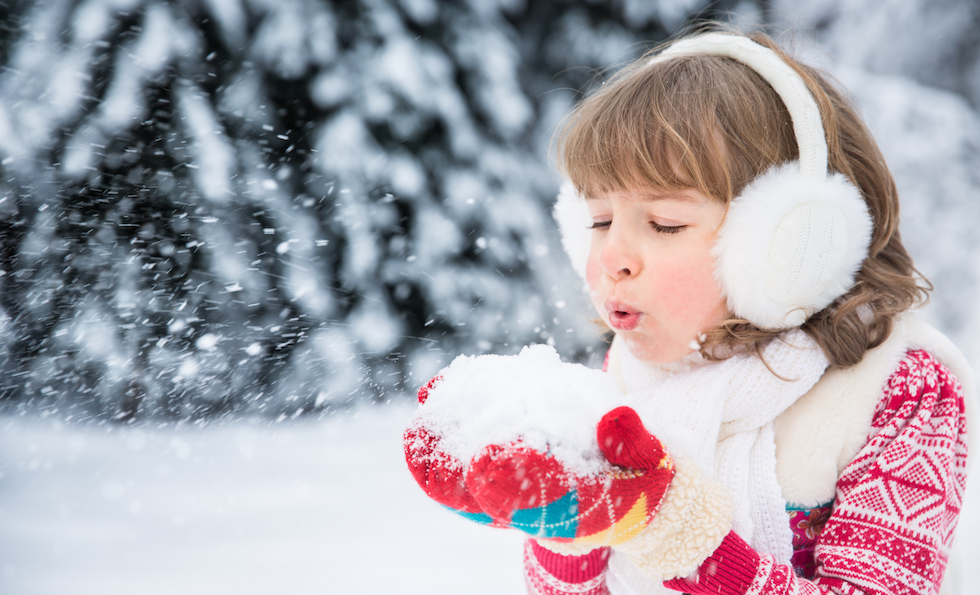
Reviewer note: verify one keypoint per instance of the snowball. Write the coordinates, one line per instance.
(550, 405)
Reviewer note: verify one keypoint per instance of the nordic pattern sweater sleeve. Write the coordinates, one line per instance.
(891, 530)
(897, 503)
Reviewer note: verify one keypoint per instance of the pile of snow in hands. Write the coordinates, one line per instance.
(534, 397)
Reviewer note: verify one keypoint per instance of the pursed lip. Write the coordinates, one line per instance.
(622, 317)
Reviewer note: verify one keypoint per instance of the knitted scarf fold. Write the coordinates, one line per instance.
(720, 414)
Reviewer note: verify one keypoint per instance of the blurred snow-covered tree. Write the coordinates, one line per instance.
(218, 206)
(933, 42)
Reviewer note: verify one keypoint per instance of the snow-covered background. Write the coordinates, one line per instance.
(308, 508)
(236, 234)
(313, 507)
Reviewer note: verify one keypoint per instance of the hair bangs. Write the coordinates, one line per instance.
(646, 131)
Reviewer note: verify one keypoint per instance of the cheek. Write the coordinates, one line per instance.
(690, 291)
(592, 272)
(593, 278)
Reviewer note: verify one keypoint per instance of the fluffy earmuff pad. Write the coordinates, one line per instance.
(574, 223)
(790, 246)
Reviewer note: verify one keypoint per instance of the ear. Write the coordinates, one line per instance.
(574, 222)
(790, 246)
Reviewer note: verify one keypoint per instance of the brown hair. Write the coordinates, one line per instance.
(713, 124)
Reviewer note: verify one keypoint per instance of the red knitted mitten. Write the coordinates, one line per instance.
(521, 487)
(440, 474)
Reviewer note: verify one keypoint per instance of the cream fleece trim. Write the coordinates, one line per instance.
(694, 517)
(822, 432)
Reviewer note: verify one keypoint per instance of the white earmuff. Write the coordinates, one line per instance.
(574, 223)
(795, 237)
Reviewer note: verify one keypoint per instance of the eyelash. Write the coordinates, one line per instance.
(665, 229)
(656, 226)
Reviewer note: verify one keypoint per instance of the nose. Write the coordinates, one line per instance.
(618, 257)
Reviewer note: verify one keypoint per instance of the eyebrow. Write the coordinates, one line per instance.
(671, 195)
(654, 197)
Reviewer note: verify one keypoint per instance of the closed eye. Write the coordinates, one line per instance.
(600, 224)
(666, 228)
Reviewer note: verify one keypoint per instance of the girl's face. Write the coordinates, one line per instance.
(650, 271)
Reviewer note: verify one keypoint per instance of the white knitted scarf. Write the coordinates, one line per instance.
(720, 414)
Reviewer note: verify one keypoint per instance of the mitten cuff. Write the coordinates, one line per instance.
(568, 548)
(694, 518)
(730, 569)
(569, 568)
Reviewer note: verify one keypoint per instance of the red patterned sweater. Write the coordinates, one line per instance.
(891, 525)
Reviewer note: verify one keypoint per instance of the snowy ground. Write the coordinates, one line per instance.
(322, 507)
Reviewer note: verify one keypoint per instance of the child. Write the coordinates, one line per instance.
(744, 248)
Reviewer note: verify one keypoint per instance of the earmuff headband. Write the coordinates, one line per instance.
(787, 83)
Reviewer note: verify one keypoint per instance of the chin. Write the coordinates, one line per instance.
(654, 354)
